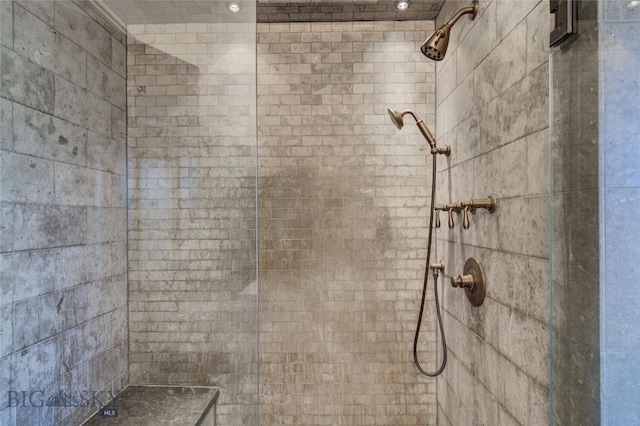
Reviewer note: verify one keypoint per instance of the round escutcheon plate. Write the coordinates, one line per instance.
(474, 268)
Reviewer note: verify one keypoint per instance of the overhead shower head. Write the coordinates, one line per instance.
(397, 119)
(435, 47)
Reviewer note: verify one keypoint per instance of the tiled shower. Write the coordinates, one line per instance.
(191, 197)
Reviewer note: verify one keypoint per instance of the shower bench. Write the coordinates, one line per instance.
(159, 406)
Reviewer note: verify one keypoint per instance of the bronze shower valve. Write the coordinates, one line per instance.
(465, 207)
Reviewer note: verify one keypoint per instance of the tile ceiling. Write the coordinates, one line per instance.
(344, 10)
(181, 11)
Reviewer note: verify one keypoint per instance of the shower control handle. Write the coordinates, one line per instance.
(465, 218)
(464, 281)
(472, 280)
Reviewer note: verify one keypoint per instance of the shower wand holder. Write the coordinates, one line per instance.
(437, 267)
(446, 150)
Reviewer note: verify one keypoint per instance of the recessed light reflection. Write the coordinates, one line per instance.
(634, 3)
(402, 5)
(234, 7)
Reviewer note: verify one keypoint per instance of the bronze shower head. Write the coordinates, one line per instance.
(435, 47)
(397, 119)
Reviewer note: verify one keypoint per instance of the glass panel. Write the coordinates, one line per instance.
(128, 246)
(620, 213)
(575, 361)
(192, 206)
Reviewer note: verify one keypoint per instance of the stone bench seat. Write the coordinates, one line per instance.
(159, 406)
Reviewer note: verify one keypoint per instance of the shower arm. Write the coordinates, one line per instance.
(459, 14)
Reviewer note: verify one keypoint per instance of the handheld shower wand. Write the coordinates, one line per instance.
(397, 119)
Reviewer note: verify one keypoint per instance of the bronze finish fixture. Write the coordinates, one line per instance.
(465, 207)
(437, 267)
(446, 150)
(397, 119)
(435, 47)
(464, 281)
(473, 281)
(465, 218)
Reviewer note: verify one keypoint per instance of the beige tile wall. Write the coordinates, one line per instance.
(343, 210)
(492, 108)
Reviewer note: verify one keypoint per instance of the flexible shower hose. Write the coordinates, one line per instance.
(435, 291)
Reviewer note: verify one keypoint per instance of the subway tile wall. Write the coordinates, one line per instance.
(63, 273)
(492, 108)
(343, 203)
(192, 210)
